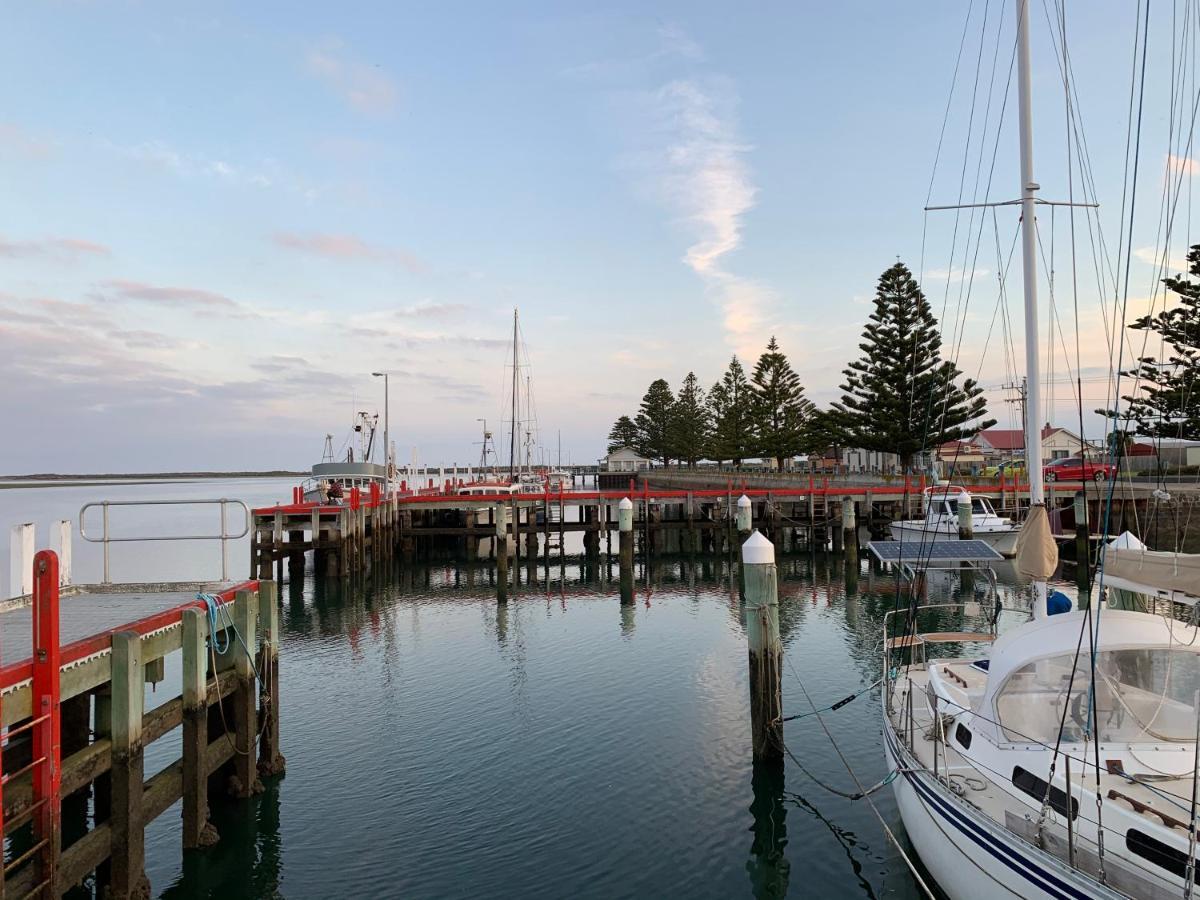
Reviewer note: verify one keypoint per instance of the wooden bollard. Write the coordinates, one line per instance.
(501, 520)
(745, 516)
(625, 536)
(766, 651)
(849, 523)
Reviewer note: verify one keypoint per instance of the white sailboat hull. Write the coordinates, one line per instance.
(968, 855)
(1003, 540)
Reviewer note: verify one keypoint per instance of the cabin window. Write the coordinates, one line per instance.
(1141, 696)
(1035, 787)
(1155, 851)
(963, 735)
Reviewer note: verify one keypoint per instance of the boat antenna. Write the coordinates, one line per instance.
(512, 445)
(1029, 187)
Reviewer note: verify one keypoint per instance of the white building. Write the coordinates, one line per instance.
(625, 459)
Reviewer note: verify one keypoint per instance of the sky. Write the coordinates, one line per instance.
(217, 220)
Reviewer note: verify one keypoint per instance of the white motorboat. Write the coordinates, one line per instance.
(941, 503)
(332, 479)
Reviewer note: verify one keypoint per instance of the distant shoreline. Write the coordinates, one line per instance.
(49, 479)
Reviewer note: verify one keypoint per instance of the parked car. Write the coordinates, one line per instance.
(1010, 468)
(1072, 468)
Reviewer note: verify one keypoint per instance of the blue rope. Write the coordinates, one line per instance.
(220, 619)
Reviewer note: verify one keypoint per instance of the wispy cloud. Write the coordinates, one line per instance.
(673, 45)
(1182, 165)
(348, 247)
(121, 289)
(1153, 256)
(16, 141)
(704, 177)
(264, 173)
(956, 274)
(58, 247)
(364, 87)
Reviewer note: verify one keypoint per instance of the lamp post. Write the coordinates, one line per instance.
(387, 443)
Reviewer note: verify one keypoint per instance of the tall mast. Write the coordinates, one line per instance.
(1033, 399)
(512, 446)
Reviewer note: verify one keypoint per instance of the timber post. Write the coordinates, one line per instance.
(765, 649)
(625, 535)
(1083, 560)
(501, 520)
(197, 830)
(245, 700)
(270, 760)
(127, 828)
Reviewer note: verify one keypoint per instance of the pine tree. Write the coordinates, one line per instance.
(624, 433)
(901, 396)
(780, 408)
(1168, 404)
(823, 434)
(691, 422)
(731, 404)
(655, 422)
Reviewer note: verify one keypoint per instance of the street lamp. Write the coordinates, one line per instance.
(387, 443)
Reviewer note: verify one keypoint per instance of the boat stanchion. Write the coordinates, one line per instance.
(765, 649)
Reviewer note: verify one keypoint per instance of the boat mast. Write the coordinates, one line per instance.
(512, 446)
(1033, 400)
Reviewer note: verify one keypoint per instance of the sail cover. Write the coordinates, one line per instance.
(1154, 571)
(1037, 554)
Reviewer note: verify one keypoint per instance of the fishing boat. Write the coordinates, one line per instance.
(942, 504)
(1057, 759)
(332, 478)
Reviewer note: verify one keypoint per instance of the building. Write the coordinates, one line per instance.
(1006, 443)
(625, 459)
(858, 461)
(960, 458)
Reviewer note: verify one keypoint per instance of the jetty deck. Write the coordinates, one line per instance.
(75, 798)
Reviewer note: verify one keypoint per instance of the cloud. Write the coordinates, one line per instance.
(956, 274)
(428, 310)
(1182, 165)
(121, 289)
(58, 247)
(16, 141)
(1153, 256)
(264, 174)
(365, 88)
(704, 178)
(347, 247)
(673, 45)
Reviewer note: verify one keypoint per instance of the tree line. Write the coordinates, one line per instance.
(898, 397)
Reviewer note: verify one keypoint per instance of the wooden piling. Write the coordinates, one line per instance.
(625, 537)
(1082, 549)
(500, 517)
(128, 875)
(245, 700)
(765, 649)
(197, 831)
(270, 760)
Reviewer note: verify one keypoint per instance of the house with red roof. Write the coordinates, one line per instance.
(1008, 443)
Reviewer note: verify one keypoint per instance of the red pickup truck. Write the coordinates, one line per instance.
(1072, 468)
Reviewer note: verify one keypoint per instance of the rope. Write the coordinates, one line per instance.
(217, 611)
(835, 706)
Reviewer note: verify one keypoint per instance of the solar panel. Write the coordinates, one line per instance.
(944, 551)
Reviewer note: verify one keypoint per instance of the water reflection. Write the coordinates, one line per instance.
(768, 866)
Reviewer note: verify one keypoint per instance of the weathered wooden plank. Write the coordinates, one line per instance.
(128, 828)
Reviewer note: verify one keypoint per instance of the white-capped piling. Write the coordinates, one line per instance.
(966, 523)
(765, 649)
(625, 536)
(20, 560)
(501, 520)
(745, 514)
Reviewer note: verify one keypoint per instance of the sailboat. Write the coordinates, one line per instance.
(1060, 759)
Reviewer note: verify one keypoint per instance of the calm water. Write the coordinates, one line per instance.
(439, 746)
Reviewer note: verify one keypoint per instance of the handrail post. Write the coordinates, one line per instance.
(224, 545)
(104, 540)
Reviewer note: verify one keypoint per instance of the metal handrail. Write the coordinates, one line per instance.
(224, 537)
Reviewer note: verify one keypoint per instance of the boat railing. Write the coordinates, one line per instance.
(105, 538)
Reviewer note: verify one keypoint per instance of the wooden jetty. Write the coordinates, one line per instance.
(75, 723)
(376, 524)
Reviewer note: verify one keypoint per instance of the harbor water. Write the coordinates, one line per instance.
(441, 745)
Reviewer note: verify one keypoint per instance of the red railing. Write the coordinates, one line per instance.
(44, 727)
